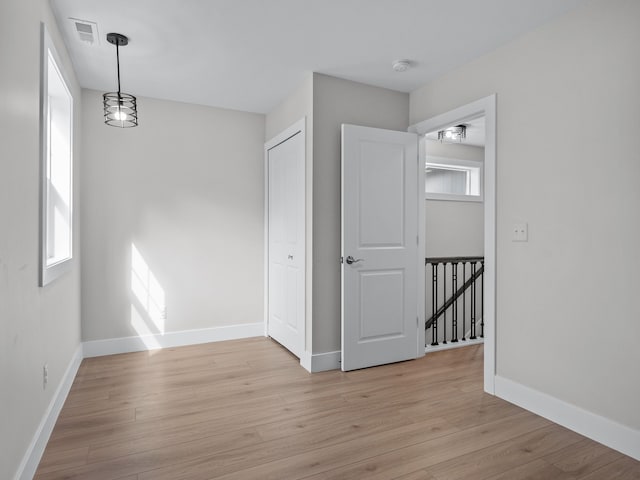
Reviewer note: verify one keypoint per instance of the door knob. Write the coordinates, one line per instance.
(351, 260)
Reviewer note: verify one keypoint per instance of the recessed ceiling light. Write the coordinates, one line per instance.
(401, 65)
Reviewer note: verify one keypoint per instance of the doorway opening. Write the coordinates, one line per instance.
(454, 235)
(460, 216)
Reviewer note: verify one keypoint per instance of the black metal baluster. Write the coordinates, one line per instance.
(464, 301)
(454, 306)
(434, 304)
(444, 301)
(442, 311)
(425, 301)
(482, 301)
(473, 302)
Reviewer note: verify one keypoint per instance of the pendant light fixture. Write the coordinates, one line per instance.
(120, 109)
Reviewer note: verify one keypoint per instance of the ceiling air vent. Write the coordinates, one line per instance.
(87, 31)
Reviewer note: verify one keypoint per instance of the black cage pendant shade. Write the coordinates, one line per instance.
(120, 109)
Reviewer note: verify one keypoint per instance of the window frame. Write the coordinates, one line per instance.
(455, 164)
(50, 272)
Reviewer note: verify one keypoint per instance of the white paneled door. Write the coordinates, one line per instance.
(286, 250)
(380, 261)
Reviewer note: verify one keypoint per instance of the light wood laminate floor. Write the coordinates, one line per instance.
(246, 410)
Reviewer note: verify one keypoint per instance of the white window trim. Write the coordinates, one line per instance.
(455, 162)
(49, 273)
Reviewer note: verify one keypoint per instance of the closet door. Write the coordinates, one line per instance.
(286, 241)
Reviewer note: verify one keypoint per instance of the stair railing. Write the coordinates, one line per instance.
(458, 295)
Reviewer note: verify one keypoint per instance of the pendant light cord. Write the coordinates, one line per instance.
(118, 62)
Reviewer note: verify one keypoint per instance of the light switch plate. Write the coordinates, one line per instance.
(520, 232)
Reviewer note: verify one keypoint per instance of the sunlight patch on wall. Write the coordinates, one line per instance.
(144, 332)
(148, 292)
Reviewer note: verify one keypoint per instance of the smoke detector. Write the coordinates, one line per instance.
(87, 32)
(401, 65)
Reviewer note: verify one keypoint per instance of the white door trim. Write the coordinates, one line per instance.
(422, 293)
(298, 128)
(485, 106)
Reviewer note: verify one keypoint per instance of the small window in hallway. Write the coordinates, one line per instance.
(451, 179)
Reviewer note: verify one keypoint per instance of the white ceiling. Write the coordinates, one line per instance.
(250, 54)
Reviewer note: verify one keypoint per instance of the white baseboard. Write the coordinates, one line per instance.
(320, 362)
(603, 430)
(32, 456)
(97, 348)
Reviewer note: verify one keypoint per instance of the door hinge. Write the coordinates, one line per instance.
(417, 321)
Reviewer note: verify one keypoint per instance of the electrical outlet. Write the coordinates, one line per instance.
(520, 232)
(45, 375)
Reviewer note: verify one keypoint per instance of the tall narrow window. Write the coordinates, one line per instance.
(56, 168)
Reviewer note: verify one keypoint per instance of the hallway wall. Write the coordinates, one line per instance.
(567, 164)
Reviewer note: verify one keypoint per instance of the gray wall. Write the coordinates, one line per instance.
(295, 106)
(567, 163)
(337, 101)
(186, 187)
(37, 325)
(454, 229)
